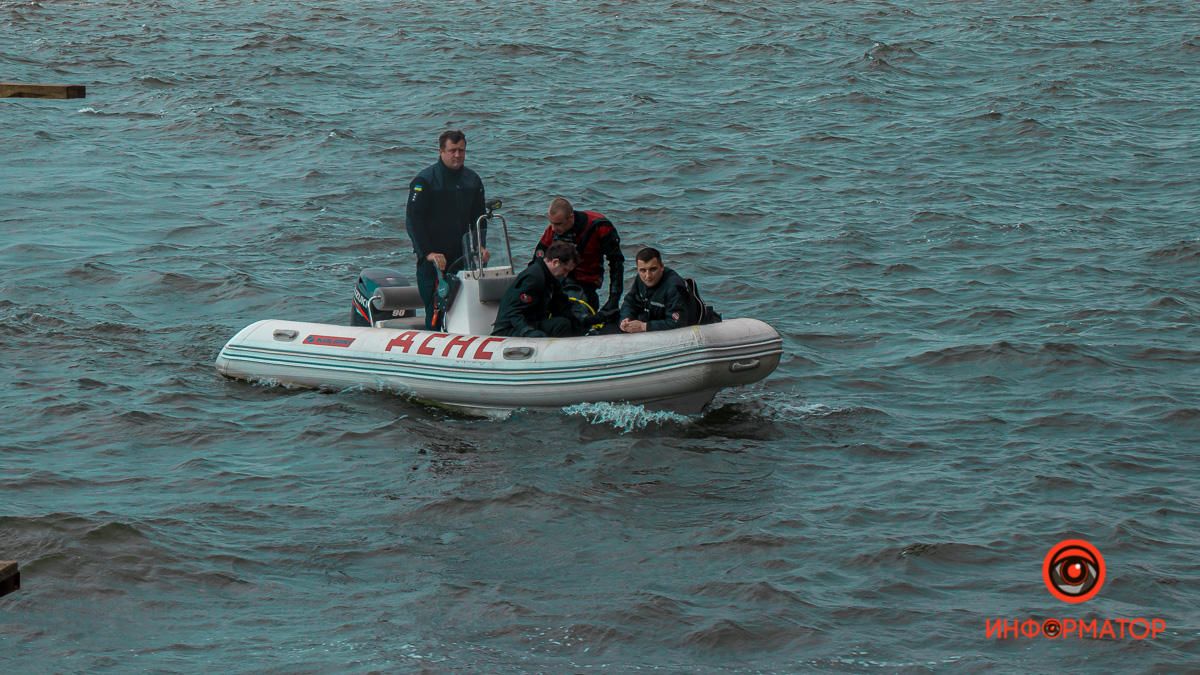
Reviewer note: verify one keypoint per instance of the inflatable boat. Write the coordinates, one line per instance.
(465, 367)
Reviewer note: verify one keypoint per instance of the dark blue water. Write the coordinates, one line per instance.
(974, 226)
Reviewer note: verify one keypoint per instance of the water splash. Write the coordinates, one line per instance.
(626, 417)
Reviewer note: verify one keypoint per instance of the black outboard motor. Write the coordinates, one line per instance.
(362, 313)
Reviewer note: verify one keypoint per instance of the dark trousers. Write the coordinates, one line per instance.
(427, 281)
(589, 294)
(555, 326)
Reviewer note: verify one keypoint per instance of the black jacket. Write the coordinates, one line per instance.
(442, 205)
(535, 296)
(663, 307)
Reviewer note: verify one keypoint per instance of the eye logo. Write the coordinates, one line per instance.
(1073, 571)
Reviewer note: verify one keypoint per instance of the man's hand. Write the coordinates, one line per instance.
(438, 260)
(487, 255)
(633, 326)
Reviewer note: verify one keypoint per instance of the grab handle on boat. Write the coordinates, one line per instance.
(739, 366)
(284, 335)
(518, 353)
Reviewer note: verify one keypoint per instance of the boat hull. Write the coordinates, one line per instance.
(680, 369)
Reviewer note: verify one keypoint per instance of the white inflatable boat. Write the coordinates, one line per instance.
(467, 368)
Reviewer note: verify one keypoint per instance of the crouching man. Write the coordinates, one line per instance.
(535, 305)
(658, 299)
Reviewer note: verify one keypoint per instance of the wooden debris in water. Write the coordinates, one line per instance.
(19, 90)
(10, 577)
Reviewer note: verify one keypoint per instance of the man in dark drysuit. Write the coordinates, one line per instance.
(658, 299)
(535, 305)
(443, 201)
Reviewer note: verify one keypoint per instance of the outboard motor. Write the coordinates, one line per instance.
(372, 278)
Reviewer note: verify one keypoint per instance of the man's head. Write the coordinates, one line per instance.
(561, 258)
(452, 149)
(649, 266)
(561, 215)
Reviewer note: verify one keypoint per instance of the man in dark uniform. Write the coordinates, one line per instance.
(658, 299)
(535, 305)
(443, 201)
(596, 239)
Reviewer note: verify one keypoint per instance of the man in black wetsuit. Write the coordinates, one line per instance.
(535, 305)
(658, 299)
(596, 240)
(443, 201)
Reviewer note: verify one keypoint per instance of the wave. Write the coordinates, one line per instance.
(1167, 354)
(750, 592)
(1002, 352)
(151, 81)
(741, 543)
(95, 272)
(125, 114)
(728, 636)
(285, 42)
(1185, 417)
(940, 552)
(1187, 251)
(454, 508)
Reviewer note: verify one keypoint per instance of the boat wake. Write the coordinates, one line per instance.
(625, 417)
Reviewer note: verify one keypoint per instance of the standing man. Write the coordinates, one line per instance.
(595, 238)
(658, 299)
(443, 201)
(535, 305)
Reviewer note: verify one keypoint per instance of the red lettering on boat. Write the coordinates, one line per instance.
(403, 340)
(425, 349)
(483, 354)
(460, 341)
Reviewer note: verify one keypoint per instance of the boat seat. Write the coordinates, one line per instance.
(492, 289)
(388, 298)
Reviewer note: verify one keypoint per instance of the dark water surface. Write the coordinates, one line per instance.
(974, 224)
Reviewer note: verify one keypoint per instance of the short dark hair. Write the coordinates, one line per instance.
(451, 136)
(561, 205)
(562, 251)
(647, 254)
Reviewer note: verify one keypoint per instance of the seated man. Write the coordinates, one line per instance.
(535, 305)
(658, 299)
(596, 240)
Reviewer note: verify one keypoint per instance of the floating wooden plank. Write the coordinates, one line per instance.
(18, 90)
(10, 577)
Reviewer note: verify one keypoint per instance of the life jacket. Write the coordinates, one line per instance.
(588, 241)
